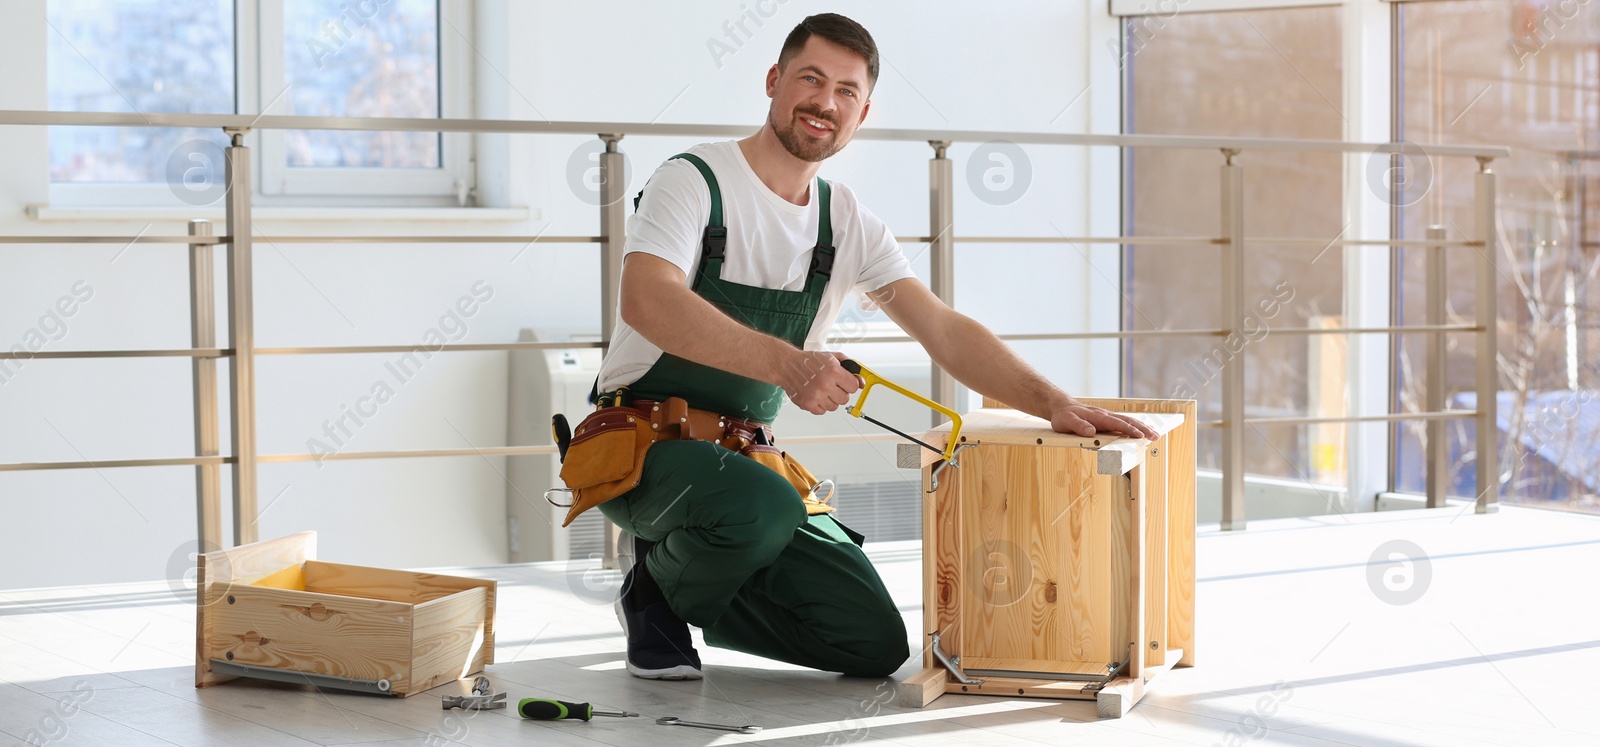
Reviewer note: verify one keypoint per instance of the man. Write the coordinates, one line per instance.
(731, 325)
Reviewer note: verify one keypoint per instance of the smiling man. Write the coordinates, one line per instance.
(738, 260)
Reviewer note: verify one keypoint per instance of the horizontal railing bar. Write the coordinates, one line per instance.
(113, 239)
(591, 239)
(413, 124)
(456, 348)
(397, 454)
(428, 239)
(488, 451)
(838, 438)
(1147, 240)
(99, 464)
(1431, 328)
(491, 451)
(156, 353)
(1032, 337)
(1389, 418)
(302, 239)
(1301, 240)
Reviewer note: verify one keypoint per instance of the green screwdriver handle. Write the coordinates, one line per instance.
(549, 710)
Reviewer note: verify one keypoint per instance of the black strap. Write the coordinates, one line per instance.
(822, 253)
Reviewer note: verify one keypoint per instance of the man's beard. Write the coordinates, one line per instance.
(803, 146)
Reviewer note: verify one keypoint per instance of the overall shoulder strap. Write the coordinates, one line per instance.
(822, 254)
(714, 241)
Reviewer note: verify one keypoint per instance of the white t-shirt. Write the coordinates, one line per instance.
(769, 244)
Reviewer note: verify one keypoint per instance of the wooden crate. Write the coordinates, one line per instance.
(1051, 560)
(271, 610)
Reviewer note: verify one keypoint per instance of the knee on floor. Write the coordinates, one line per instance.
(880, 650)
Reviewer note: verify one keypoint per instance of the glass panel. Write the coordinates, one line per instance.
(1274, 73)
(1524, 75)
(174, 56)
(367, 59)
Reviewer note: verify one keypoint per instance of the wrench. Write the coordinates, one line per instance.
(675, 721)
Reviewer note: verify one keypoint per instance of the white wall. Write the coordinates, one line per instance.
(1011, 67)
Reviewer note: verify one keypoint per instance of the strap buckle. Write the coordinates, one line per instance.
(822, 261)
(715, 241)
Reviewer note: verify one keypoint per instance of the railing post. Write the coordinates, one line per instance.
(203, 334)
(1488, 364)
(613, 234)
(941, 256)
(1232, 319)
(1438, 451)
(242, 338)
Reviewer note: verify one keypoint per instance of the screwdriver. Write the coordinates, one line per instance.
(549, 710)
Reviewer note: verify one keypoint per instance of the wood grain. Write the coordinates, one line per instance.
(942, 581)
(1017, 687)
(384, 583)
(920, 689)
(366, 639)
(1052, 553)
(1043, 666)
(1005, 427)
(218, 571)
(1123, 693)
(1180, 515)
(1124, 594)
(1081, 512)
(273, 605)
(409, 586)
(448, 636)
(1154, 641)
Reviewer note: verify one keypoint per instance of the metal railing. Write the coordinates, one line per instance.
(942, 243)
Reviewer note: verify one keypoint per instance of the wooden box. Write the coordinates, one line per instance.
(1059, 566)
(270, 610)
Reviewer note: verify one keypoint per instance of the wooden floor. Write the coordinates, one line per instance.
(1489, 639)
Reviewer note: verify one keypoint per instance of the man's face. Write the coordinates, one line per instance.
(825, 84)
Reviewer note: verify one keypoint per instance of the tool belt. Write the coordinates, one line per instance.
(606, 456)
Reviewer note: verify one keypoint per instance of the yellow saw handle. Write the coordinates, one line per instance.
(869, 379)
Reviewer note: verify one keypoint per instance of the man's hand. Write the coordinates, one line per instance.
(1084, 420)
(816, 383)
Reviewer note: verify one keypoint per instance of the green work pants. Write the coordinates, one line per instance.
(737, 556)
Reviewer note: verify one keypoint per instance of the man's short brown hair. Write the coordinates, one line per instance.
(839, 30)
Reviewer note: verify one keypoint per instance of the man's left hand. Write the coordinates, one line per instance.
(1083, 420)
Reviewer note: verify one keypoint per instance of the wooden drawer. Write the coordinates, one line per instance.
(270, 610)
(1055, 565)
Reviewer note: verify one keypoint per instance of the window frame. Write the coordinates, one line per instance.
(452, 178)
(258, 77)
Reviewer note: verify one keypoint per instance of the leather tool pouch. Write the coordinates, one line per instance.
(606, 457)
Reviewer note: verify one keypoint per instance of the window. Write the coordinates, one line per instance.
(378, 58)
(325, 58)
(1525, 75)
(140, 57)
(1261, 73)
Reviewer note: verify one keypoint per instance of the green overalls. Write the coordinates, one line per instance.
(736, 554)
